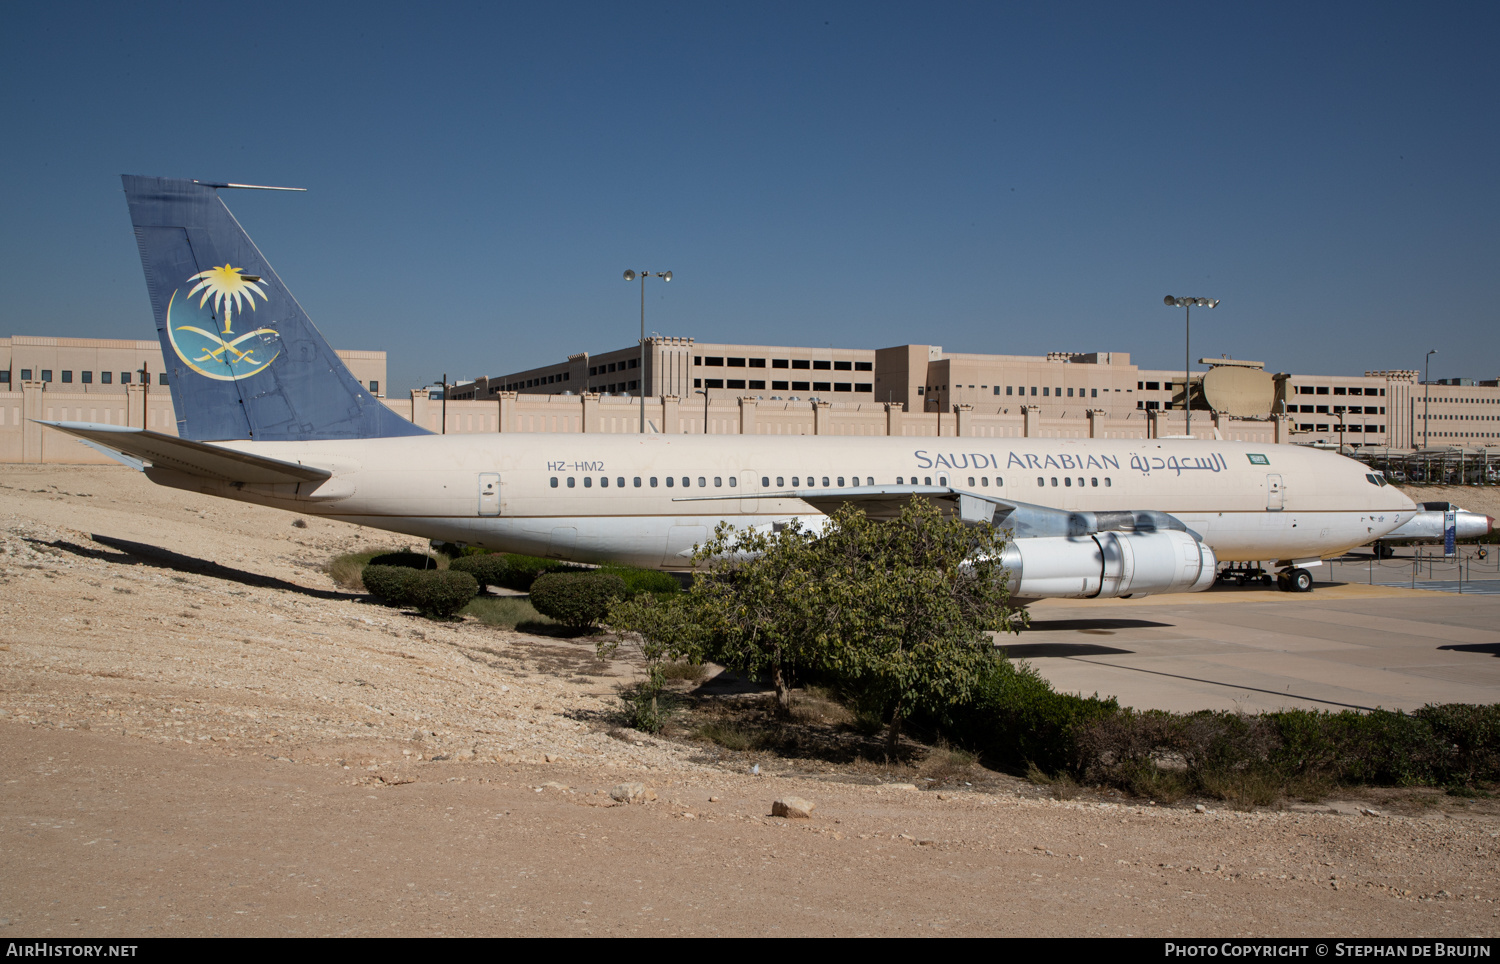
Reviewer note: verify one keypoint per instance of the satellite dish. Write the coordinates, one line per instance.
(666, 276)
(630, 275)
(1237, 391)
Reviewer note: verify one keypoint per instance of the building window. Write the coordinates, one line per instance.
(125, 378)
(697, 359)
(161, 378)
(697, 383)
(634, 363)
(997, 390)
(843, 387)
(712, 362)
(864, 366)
(919, 389)
(822, 365)
(1033, 391)
(799, 386)
(1340, 390)
(757, 385)
(736, 383)
(713, 383)
(46, 374)
(1094, 393)
(1070, 393)
(1152, 386)
(843, 366)
(86, 377)
(757, 363)
(1045, 390)
(375, 387)
(865, 387)
(736, 362)
(778, 386)
(780, 363)
(822, 387)
(67, 377)
(801, 363)
(1321, 390)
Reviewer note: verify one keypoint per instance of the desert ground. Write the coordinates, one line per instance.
(202, 735)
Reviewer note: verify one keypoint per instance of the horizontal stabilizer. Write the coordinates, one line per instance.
(190, 458)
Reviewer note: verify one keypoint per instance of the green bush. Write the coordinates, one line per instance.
(435, 593)
(487, 570)
(408, 560)
(391, 585)
(638, 581)
(440, 595)
(578, 599)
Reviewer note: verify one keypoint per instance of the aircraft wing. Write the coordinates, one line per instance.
(1024, 519)
(201, 459)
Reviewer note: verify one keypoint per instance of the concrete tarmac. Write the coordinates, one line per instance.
(1341, 646)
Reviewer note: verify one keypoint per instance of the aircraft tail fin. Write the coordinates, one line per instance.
(243, 359)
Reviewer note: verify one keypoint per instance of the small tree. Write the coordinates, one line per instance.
(898, 610)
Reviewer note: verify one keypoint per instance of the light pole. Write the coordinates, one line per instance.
(1187, 361)
(643, 275)
(1426, 393)
(704, 393)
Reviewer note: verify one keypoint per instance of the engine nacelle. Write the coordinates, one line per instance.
(1108, 564)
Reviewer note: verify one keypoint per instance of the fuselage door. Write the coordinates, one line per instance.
(749, 488)
(1275, 494)
(489, 493)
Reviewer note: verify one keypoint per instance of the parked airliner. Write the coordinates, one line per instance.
(267, 413)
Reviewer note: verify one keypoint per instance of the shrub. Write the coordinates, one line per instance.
(505, 612)
(441, 594)
(409, 560)
(434, 593)
(391, 585)
(578, 599)
(638, 581)
(487, 570)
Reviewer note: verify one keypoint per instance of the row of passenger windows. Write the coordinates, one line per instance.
(827, 481)
(84, 378)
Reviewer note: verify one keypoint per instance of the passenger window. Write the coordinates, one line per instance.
(653, 481)
(794, 482)
(841, 481)
(825, 481)
(971, 482)
(1054, 481)
(702, 482)
(1066, 481)
(669, 481)
(733, 482)
(637, 481)
(554, 481)
(621, 482)
(898, 480)
(765, 482)
(1080, 483)
(588, 481)
(1041, 481)
(942, 480)
(779, 482)
(718, 481)
(570, 481)
(926, 480)
(984, 481)
(687, 481)
(1106, 482)
(870, 480)
(1094, 482)
(999, 481)
(604, 482)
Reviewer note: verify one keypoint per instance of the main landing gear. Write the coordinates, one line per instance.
(1294, 580)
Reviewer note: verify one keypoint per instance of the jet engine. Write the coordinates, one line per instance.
(1108, 564)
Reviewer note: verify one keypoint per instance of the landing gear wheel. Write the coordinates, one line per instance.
(1300, 580)
(1283, 583)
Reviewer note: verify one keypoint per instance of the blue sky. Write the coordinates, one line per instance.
(988, 177)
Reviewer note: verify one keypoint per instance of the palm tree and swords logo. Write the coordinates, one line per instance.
(228, 357)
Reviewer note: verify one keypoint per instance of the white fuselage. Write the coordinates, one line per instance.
(598, 498)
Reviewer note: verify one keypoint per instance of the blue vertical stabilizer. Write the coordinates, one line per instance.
(243, 360)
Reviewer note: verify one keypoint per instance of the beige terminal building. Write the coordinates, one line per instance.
(908, 390)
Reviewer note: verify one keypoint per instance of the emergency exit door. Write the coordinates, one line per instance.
(489, 493)
(1275, 494)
